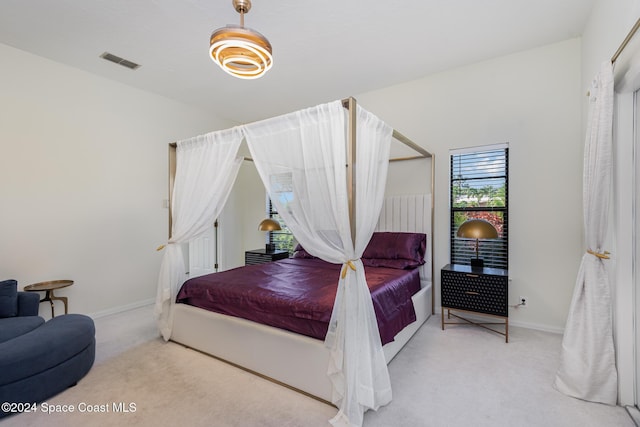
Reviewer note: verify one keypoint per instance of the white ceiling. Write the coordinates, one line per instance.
(323, 49)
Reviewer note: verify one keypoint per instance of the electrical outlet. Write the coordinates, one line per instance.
(523, 301)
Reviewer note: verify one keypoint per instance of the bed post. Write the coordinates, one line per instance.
(351, 164)
(172, 176)
(433, 270)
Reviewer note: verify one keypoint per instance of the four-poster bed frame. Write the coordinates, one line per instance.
(293, 360)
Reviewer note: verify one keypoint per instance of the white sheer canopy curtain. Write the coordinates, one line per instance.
(206, 168)
(587, 365)
(308, 149)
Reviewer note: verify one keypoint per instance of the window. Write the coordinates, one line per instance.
(282, 188)
(479, 189)
(281, 239)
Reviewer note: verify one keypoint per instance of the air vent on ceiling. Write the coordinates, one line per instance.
(120, 61)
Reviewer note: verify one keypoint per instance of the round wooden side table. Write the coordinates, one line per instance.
(49, 287)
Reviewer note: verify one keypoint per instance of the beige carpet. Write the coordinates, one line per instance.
(174, 386)
(459, 377)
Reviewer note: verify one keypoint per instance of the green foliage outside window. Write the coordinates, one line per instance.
(282, 239)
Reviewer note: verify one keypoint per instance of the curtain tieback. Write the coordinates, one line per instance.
(603, 255)
(349, 264)
(161, 247)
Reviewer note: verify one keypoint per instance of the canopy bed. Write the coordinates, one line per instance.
(337, 214)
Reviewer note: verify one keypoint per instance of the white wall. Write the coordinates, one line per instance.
(83, 176)
(254, 198)
(608, 25)
(242, 214)
(532, 100)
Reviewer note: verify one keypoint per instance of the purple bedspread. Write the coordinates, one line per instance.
(298, 294)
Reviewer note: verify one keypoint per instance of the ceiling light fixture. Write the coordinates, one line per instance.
(240, 51)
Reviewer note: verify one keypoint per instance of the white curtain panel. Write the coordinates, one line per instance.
(309, 146)
(206, 168)
(587, 366)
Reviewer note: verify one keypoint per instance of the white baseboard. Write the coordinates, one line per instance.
(122, 308)
(634, 414)
(519, 324)
(537, 327)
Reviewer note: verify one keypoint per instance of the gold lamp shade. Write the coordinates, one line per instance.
(477, 229)
(240, 51)
(269, 225)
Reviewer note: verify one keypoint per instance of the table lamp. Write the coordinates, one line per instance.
(269, 224)
(477, 229)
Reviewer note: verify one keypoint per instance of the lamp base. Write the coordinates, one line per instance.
(269, 247)
(477, 263)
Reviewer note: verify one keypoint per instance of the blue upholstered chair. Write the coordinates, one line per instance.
(40, 359)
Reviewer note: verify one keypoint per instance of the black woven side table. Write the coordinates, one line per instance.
(478, 291)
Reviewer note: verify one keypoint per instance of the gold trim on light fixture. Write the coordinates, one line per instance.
(240, 51)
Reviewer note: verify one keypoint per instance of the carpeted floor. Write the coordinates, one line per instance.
(459, 377)
(173, 386)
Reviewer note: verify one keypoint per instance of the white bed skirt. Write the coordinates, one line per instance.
(297, 361)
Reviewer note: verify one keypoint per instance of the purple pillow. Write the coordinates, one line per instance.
(409, 247)
(299, 252)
